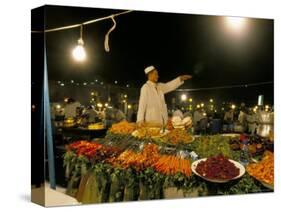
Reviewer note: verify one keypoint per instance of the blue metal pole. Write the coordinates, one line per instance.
(48, 127)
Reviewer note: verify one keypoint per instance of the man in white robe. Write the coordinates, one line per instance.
(152, 106)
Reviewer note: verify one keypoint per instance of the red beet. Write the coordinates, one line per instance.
(218, 167)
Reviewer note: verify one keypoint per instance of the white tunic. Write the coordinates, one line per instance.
(152, 105)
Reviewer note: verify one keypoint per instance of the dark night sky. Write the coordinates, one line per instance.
(176, 44)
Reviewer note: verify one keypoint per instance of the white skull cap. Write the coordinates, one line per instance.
(149, 69)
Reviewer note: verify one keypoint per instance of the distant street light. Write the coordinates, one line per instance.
(183, 97)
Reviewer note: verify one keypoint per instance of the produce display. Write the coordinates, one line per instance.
(218, 168)
(263, 170)
(121, 167)
(171, 165)
(177, 136)
(123, 127)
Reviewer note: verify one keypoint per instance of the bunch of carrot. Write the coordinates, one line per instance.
(170, 165)
(139, 160)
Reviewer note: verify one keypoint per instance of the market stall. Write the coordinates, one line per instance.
(70, 132)
(132, 163)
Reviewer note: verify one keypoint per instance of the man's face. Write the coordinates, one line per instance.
(153, 76)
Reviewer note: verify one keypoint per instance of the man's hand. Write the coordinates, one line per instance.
(185, 77)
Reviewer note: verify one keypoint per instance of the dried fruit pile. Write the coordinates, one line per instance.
(123, 127)
(264, 170)
(177, 136)
(148, 132)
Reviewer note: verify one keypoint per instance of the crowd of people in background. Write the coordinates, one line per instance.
(72, 109)
(240, 119)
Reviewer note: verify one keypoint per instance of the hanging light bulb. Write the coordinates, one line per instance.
(79, 53)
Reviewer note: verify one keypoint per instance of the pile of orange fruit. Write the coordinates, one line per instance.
(263, 170)
(123, 127)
